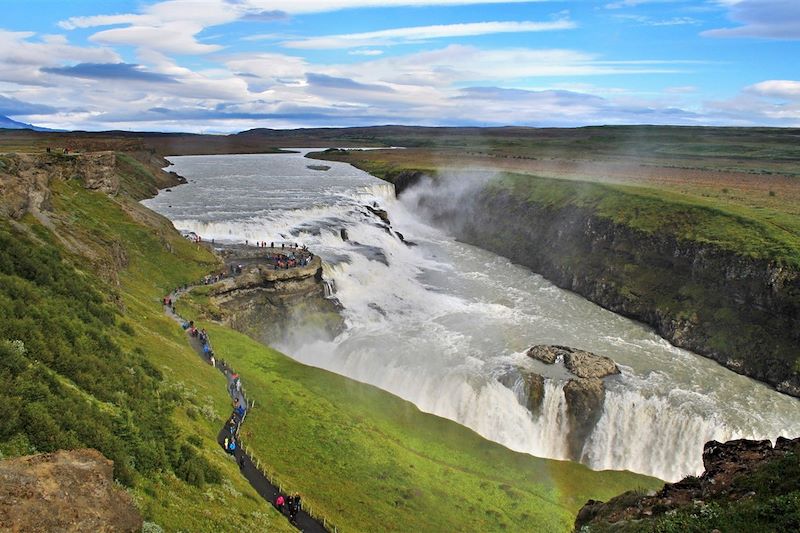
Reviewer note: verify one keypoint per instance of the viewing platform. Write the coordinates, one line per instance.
(250, 264)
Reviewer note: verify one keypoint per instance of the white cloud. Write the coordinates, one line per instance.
(457, 64)
(783, 89)
(681, 89)
(422, 33)
(320, 6)
(369, 52)
(768, 19)
(619, 4)
(21, 56)
(172, 26)
(211, 12)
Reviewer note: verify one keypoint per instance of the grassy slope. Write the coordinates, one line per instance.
(369, 461)
(98, 222)
(766, 235)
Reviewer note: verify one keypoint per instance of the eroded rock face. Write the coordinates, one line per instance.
(64, 491)
(533, 385)
(274, 305)
(585, 397)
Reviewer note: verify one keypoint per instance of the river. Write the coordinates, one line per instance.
(438, 323)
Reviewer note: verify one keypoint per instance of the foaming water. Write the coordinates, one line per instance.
(438, 323)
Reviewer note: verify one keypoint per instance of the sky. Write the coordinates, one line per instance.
(216, 66)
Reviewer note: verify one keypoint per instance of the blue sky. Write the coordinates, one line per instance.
(230, 65)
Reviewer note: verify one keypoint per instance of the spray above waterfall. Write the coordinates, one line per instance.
(441, 323)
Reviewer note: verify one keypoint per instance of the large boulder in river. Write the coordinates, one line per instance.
(588, 365)
(380, 213)
(585, 397)
(546, 353)
(580, 362)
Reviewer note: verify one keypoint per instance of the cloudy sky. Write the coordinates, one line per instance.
(229, 65)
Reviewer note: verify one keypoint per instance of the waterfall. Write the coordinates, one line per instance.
(438, 322)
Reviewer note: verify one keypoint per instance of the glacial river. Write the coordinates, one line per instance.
(439, 322)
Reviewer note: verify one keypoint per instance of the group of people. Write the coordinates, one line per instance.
(213, 278)
(290, 260)
(229, 443)
(289, 505)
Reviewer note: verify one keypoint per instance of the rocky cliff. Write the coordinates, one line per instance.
(278, 305)
(740, 311)
(64, 491)
(26, 179)
(747, 486)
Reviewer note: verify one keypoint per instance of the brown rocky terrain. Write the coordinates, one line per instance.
(64, 491)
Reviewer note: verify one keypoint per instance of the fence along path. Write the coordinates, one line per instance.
(251, 469)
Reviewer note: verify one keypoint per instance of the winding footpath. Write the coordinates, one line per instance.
(303, 521)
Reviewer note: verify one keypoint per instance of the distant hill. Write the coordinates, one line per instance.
(10, 124)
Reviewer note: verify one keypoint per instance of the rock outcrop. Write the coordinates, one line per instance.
(276, 305)
(64, 491)
(580, 362)
(584, 394)
(734, 471)
(588, 365)
(585, 398)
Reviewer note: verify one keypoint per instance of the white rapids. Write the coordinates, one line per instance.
(438, 322)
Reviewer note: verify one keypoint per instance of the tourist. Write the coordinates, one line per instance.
(280, 503)
(294, 507)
